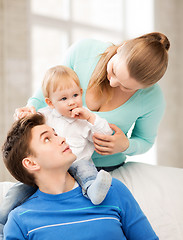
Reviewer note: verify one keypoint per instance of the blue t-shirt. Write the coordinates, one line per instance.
(144, 109)
(72, 216)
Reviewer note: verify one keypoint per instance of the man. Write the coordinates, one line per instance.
(35, 155)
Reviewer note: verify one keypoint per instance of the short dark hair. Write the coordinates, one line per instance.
(17, 147)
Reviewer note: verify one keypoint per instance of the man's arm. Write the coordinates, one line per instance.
(12, 230)
(135, 224)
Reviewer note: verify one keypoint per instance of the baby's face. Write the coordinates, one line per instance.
(64, 101)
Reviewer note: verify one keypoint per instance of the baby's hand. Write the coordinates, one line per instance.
(83, 113)
(79, 113)
(76, 113)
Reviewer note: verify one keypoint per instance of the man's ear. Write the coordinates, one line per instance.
(49, 102)
(30, 164)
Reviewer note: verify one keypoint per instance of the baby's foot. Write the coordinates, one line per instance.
(98, 190)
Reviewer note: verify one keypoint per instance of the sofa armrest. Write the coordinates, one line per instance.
(4, 187)
(159, 192)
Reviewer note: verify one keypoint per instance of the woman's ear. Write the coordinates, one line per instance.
(49, 102)
(120, 47)
(30, 164)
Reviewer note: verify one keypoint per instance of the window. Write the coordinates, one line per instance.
(56, 24)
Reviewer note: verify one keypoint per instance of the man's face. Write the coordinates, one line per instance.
(51, 151)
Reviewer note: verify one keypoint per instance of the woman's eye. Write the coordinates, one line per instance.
(75, 95)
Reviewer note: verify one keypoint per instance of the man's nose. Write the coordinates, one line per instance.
(61, 140)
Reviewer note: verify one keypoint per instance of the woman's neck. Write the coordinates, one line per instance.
(102, 104)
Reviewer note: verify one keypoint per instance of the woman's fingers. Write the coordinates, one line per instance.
(23, 112)
(101, 142)
(103, 153)
(103, 146)
(107, 144)
(102, 137)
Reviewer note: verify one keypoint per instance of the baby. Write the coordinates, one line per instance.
(66, 114)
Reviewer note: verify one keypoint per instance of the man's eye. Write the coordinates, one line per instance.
(46, 139)
(63, 99)
(75, 95)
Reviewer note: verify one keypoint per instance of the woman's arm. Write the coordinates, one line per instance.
(144, 132)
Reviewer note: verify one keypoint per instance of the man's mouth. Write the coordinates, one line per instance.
(66, 149)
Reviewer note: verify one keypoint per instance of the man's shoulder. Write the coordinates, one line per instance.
(117, 183)
(119, 188)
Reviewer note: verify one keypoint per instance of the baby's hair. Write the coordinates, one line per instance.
(61, 77)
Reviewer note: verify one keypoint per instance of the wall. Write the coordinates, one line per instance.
(15, 68)
(169, 19)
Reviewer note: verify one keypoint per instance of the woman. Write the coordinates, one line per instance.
(119, 84)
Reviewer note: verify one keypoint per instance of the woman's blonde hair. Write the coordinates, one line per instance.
(61, 77)
(146, 58)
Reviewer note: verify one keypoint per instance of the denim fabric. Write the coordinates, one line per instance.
(16, 195)
(84, 172)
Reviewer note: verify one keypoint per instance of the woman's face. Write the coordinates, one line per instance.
(118, 75)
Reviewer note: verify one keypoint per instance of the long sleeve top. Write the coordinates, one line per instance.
(70, 215)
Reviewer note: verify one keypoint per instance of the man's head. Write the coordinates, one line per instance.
(31, 147)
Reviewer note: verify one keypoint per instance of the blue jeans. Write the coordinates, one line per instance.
(85, 172)
(17, 194)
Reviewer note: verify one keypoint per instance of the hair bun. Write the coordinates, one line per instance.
(162, 39)
(157, 36)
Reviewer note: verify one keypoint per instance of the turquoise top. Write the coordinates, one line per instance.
(144, 109)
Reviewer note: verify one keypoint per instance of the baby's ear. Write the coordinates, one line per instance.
(81, 90)
(49, 102)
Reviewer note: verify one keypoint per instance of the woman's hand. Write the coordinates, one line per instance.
(107, 145)
(23, 112)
